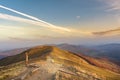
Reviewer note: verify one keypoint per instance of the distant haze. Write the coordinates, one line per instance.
(27, 23)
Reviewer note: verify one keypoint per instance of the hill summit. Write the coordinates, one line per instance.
(52, 63)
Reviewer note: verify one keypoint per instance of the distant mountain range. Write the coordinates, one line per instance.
(78, 49)
(52, 63)
(11, 52)
(109, 51)
(2, 56)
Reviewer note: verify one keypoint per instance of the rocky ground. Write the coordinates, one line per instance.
(48, 70)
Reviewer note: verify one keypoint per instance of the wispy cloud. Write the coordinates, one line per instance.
(18, 39)
(108, 32)
(112, 5)
(25, 33)
(34, 19)
(19, 19)
(78, 17)
(37, 37)
(19, 33)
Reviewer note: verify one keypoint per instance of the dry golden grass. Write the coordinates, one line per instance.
(59, 56)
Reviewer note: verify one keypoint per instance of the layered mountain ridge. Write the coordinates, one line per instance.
(52, 63)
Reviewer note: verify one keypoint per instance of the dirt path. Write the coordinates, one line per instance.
(44, 70)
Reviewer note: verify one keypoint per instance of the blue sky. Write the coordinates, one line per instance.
(62, 12)
(89, 21)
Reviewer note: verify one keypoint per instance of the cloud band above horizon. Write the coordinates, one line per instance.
(108, 32)
(34, 19)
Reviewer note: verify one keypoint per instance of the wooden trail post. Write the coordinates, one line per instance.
(26, 59)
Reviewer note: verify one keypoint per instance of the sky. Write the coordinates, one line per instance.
(34, 22)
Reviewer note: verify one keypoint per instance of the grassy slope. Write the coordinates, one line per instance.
(11, 70)
(62, 57)
(101, 62)
(74, 60)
